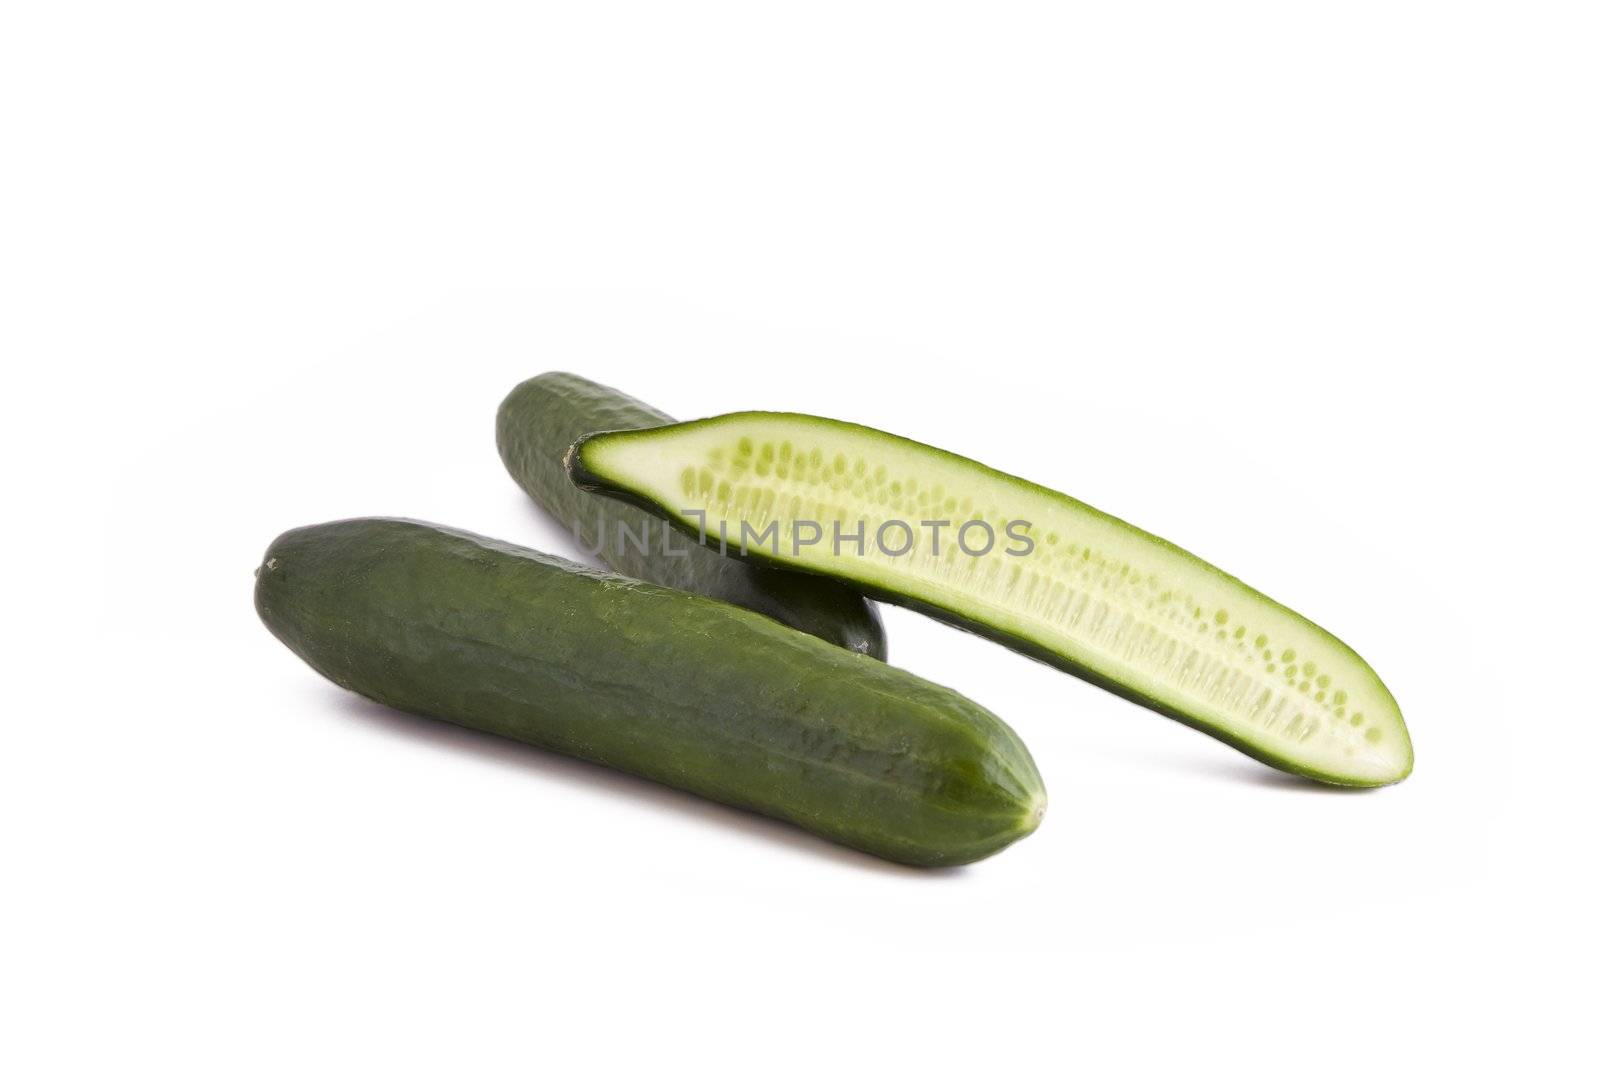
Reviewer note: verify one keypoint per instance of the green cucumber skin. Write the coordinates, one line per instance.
(674, 687)
(584, 473)
(541, 418)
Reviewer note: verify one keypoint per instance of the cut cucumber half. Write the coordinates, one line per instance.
(1052, 577)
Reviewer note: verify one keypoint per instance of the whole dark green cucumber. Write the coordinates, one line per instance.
(661, 683)
(536, 425)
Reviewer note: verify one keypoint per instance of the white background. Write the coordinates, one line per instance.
(1309, 289)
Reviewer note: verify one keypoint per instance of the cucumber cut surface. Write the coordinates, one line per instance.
(1061, 581)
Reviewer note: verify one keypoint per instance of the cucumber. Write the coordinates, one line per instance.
(544, 415)
(1061, 582)
(657, 682)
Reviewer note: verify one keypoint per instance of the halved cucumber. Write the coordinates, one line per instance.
(1060, 581)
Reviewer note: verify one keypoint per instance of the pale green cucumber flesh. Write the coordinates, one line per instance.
(1094, 595)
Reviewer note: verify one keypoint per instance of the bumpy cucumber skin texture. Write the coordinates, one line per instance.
(660, 683)
(541, 418)
(583, 472)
